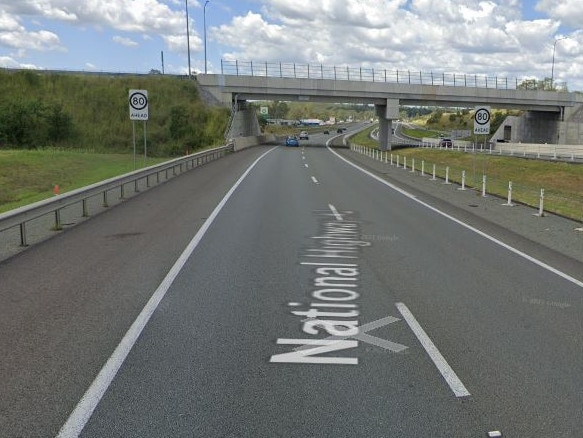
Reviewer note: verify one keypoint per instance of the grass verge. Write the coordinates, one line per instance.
(27, 176)
(562, 181)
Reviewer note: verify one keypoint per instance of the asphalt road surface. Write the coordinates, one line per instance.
(283, 292)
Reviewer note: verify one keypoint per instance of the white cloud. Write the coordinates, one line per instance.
(472, 36)
(124, 41)
(569, 12)
(152, 17)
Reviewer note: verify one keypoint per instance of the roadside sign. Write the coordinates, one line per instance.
(264, 110)
(482, 120)
(138, 104)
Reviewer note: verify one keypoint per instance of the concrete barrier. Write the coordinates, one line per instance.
(240, 143)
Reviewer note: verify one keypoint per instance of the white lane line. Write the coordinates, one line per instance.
(84, 409)
(463, 224)
(446, 371)
(337, 215)
(315, 180)
(306, 165)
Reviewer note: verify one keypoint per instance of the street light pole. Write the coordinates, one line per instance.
(188, 39)
(553, 65)
(204, 25)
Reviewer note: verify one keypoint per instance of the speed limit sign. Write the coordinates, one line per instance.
(138, 104)
(482, 120)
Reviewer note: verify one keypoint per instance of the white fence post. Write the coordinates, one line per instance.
(446, 175)
(509, 203)
(413, 165)
(541, 210)
(433, 178)
(484, 186)
(463, 187)
(422, 167)
(405, 163)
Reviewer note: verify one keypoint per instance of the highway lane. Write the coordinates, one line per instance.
(342, 251)
(306, 233)
(66, 303)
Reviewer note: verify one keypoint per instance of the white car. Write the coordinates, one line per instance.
(304, 135)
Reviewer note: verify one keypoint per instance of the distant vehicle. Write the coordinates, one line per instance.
(326, 132)
(339, 131)
(445, 143)
(292, 140)
(304, 135)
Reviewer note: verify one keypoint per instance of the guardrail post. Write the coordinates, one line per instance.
(23, 234)
(136, 188)
(58, 225)
(85, 212)
(105, 203)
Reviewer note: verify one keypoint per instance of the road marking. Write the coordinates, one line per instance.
(84, 409)
(446, 371)
(315, 180)
(306, 165)
(337, 215)
(463, 224)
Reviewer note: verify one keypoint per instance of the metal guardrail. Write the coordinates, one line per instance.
(320, 71)
(21, 216)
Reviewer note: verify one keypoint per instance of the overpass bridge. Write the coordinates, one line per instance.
(550, 112)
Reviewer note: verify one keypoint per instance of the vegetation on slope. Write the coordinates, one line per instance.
(42, 109)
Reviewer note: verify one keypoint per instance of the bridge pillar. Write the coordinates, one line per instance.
(386, 114)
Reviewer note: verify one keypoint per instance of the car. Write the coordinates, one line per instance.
(304, 135)
(339, 131)
(292, 140)
(445, 143)
(326, 131)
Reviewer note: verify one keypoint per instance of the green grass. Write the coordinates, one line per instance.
(561, 181)
(27, 176)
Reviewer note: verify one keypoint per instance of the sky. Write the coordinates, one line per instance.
(504, 38)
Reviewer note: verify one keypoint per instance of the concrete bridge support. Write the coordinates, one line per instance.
(244, 122)
(386, 114)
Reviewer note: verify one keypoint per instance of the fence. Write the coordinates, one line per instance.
(526, 150)
(486, 180)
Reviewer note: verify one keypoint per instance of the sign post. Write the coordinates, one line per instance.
(481, 126)
(138, 100)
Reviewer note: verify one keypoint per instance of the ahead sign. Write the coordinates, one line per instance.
(482, 120)
(138, 104)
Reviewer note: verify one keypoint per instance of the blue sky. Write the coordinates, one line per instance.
(507, 38)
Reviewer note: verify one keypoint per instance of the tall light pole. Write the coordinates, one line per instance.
(204, 26)
(188, 38)
(553, 66)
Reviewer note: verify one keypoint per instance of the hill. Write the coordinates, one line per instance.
(91, 112)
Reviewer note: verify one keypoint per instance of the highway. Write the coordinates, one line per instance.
(285, 292)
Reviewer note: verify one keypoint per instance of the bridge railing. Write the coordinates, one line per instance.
(346, 73)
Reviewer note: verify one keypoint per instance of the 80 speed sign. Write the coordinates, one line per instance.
(138, 104)
(482, 120)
